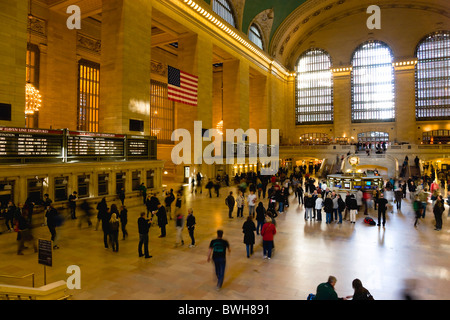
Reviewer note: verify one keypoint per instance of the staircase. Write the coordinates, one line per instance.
(53, 291)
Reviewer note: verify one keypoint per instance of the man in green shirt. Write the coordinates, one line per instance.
(325, 291)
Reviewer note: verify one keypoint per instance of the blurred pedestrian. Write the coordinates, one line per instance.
(249, 228)
(217, 251)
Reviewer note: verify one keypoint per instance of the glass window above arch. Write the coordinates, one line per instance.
(314, 88)
(433, 77)
(224, 9)
(373, 92)
(255, 36)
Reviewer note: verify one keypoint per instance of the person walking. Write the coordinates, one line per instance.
(162, 220)
(168, 200)
(260, 217)
(123, 216)
(52, 223)
(102, 208)
(73, 204)
(341, 207)
(143, 228)
(398, 193)
(251, 200)
(86, 208)
(151, 204)
(353, 207)
(230, 202)
(318, 207)
(240, 202)
(360, 293)
(190, 224)
(217, 251)
(24, 232)
(328, 208)
(438, 210)
(268, 232)
(179, 223)
(121, 195)
(309, 206)
(417, 206)
(382, 207)
(114, 231)
(105, 217)
(248, 228)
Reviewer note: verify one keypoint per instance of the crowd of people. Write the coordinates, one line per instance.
(260, 199)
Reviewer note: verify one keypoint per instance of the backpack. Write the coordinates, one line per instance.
(369, 220)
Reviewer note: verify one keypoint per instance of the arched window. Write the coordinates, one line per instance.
(433, 77)
(314, 88)
(224, 10)
(373, 93)
(255, 36)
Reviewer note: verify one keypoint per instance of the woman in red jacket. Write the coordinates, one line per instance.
(267, 232)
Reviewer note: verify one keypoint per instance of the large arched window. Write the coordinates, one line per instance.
(255, 36)
(314, 88)
(223, 9)
(373, 93)
(433, 77)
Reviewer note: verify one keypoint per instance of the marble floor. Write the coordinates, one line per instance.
(386, 260)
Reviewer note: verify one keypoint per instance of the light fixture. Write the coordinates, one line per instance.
(32, 99)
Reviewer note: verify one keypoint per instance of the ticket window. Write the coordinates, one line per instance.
(61, 189)
(150, 179)
(6, 193)
(135, 180)
(83, 186)
(103, 180)
(35, 190)
(120, 182)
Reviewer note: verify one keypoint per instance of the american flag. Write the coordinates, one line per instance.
(182, 87)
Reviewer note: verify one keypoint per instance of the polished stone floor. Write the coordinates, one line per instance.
(386, 260)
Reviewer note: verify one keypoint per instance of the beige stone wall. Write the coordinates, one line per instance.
(13, 39)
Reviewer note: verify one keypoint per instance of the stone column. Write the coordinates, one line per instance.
(405, 101)
(125, 65)
(342, 103)
(236, 94)
(195, 57)
(13, 52)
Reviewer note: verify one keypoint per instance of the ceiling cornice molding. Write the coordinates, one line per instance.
(299, 25)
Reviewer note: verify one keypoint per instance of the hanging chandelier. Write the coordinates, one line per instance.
(32, 99)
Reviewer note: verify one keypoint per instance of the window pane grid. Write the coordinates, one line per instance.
(433, 77)
(314, 88)
(223, 9)
(162, 113)
(373, 84)
(88, 96)
(255, 36)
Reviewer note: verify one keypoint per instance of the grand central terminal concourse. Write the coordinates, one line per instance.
(224, 150)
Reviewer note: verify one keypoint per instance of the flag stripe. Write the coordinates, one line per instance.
(182, 87)
(177, 90)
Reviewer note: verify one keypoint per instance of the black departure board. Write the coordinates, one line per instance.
(84, 144)
(24, 142)
(138, 146)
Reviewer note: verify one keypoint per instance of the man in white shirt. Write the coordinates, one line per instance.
(251, 200)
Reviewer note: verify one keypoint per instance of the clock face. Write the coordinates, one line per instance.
(353, 160)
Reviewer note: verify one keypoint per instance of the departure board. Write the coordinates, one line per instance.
(84, 144)
(24, 142)
(138, 146)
